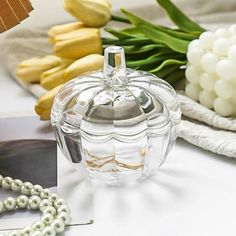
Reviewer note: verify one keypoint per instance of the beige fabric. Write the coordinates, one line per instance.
(200, 126)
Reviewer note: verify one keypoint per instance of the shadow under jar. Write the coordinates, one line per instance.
(118, 123)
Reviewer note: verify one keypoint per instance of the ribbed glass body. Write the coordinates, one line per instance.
(119, 124)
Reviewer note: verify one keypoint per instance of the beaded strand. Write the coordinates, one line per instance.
(55, 212)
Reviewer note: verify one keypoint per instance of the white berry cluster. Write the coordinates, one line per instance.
(211, 70)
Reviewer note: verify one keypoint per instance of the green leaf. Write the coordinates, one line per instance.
(151, 59)
(155, 58)
(168, 62)
(137, 21)
(177, 45)
(119, 19)
(175, 77)
(135, 49)
(179, 18)
(129, 41)
(132, 31)
(167, 70)
(117, 33)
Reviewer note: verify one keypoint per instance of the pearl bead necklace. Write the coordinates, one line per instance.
(55, 212)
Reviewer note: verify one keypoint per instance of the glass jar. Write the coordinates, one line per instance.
(118, 123)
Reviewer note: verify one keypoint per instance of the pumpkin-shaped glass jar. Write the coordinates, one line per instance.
(119, 124)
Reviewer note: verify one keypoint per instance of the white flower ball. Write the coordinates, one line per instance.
(211, 70)
(224, 89)
(193, 91)
(194, 56)
(232, 53)
(232, 29)
(194, 44)
(192, 74)
(223, 107)
(209, 61)
(222, 33)
(207, 39)
(207, 81)
(221, 47)
(226, 69)
(207, 98)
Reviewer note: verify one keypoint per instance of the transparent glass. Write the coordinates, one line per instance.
(119, 124)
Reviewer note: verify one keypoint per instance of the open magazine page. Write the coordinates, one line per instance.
(28, 151)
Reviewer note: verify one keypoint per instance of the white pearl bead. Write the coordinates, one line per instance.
(14, 233)
(59, 202)
(26, 188)
(22, 201)
(51, 210)
(208, 62)
(223, 107)
(54, 197)
(207, 99)
(64, 217)
(207, 39)
(9, 204)
(207, 82)
(48, 231)
(47, 219)
(38, 226)
(44, 204)
(226, 69)
(36, 233)
(64, 208)
(45, 194)
(34, 202)
(26, 231)
(1, 207)
(1, 178)
(193, 91)
(36, 190)
(232, 53)
(16, 185)
(192, 74)
(221, 47)
(194, 56)
(6, 182)
(58, 225)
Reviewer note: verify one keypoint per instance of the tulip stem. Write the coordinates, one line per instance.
(120, 19)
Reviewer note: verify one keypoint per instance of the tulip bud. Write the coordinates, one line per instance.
(78, 43)
(55, 76)
(44, 103)
(89, 63)
(31, 69)
(94, 13)
(62, 29)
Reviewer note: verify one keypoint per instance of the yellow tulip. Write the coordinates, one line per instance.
(44, 103)
(94, 13)
(78, 43)
(62, 29)
(55, 76)
(89, 63)
(30, 70)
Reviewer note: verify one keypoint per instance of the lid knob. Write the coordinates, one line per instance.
(114, 66)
